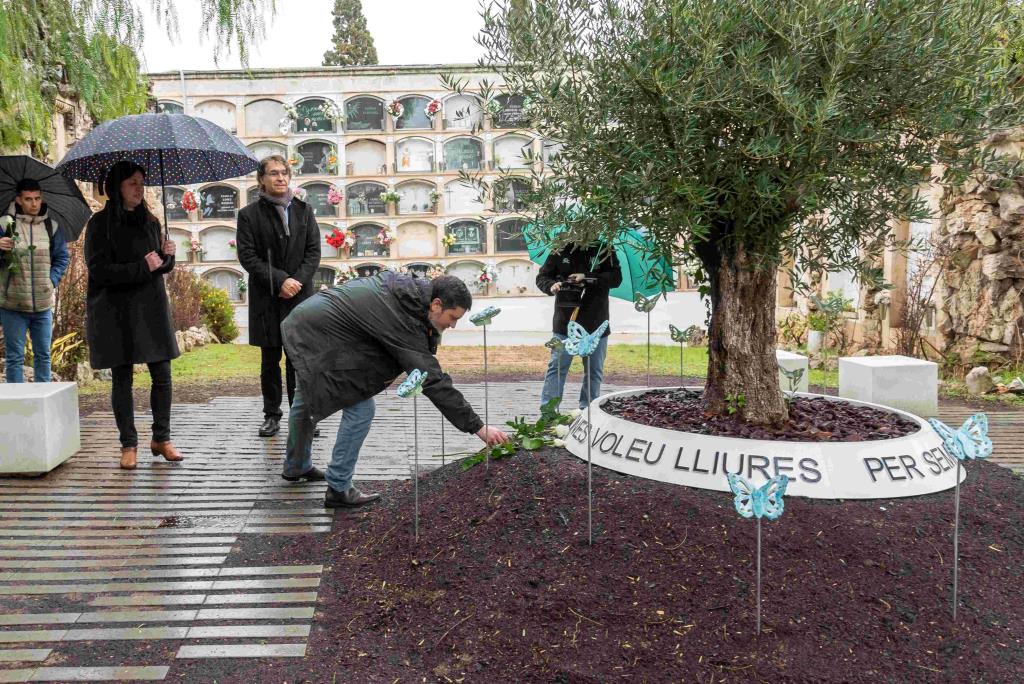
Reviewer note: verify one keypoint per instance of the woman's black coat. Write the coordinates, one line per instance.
(127, 315)
(291, 256)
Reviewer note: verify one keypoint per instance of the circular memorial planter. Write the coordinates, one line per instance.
(880, 469)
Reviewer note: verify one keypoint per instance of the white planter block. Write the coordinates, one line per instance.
(39, 424)
(792, 362)
(901, 382)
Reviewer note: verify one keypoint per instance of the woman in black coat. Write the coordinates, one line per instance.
(128, 317)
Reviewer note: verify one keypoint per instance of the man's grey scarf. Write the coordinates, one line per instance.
(279, 204)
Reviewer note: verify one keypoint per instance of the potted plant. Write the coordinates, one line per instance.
(817, 326)
(242, 288)
(391, 197)
(435, 197)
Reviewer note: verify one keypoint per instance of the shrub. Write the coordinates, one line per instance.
(184, 290)
(218, 314)
(69, 314)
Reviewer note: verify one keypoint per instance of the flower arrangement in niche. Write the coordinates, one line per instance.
(435, 197)
(299, 193)
(435, 271)
(330, 111)
(335, 196)
(295, 161)
(390, 196)
(332, 162)
(291, 111)
(242, 286)
(188, 201)
(232, 244)
(432, 109)
(448, 240)
(345, 274)
(487, 276)
(195, 246)
(341, 239)
(492, 108)
(384, 237)
(395, 109)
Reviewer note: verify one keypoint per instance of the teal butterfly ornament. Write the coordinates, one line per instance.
(485, 317)
(968, 443)
(682, 337)
(644, 304)
(758, 502)
(581, 343)
(412, 386)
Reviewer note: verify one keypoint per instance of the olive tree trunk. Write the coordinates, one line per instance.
(743, 374)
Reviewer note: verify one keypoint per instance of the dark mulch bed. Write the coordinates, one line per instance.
(810, 419)
(503, 587)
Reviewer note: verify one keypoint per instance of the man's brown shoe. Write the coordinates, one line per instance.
(165, 449)
(348, 499)
(128, 458)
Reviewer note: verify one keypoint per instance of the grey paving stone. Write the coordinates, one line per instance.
(248, 631)
(99, 674)
(38, 618)
(113, 562)
(103, 574)
(31, 636)
(223, 585)
(297, 529)
(30, 589)
(255, 613)
(137, 616)
(125, 633)
(132, 552)
(24, 655)
(243, 651)
(149, 600)
(274, 570)
(16, 675)
(284, 597)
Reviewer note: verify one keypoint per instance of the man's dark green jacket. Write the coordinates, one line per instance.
(349, 342)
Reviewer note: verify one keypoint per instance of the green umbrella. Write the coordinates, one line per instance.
(641, 273)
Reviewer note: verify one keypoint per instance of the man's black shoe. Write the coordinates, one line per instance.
(314, 474)
(270, 427)
(350, 499)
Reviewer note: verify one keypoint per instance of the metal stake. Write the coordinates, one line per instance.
(487, 415)
(680, 363)
(416, 466)
(759, 576)
(442, 439)
(648, 348)
(956, 535)
(590, 489)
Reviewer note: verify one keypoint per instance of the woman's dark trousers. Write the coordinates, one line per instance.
(159, 402)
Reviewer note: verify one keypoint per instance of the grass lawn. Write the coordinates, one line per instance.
(209, 365)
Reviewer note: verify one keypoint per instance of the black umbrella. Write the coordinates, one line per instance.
(175, 149)
(64, 201)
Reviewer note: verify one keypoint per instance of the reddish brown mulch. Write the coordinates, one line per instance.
(502, 586)
(810, 419)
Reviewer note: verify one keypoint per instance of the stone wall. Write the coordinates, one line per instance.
(981, 303)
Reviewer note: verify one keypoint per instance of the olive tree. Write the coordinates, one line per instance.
(747, 136)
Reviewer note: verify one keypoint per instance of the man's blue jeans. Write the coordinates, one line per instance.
(558, 369)
(355, 424)
(40, 326)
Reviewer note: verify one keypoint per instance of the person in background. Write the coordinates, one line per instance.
(127, 316)
(34, 256)
(279, 246)
(580, 279)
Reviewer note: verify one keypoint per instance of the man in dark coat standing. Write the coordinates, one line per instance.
(348, 343)
(279, 246)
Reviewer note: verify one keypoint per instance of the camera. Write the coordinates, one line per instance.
(570, 295)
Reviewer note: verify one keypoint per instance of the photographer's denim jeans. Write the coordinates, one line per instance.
(558, 369)
(40, 327)
(355, 425)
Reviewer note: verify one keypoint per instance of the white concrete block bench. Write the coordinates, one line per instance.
(38, 426)
(901, 382)
(792, 362)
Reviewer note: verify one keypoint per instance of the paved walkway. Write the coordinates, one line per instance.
(102, 567)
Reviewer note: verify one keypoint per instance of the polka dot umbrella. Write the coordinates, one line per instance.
(175, 149)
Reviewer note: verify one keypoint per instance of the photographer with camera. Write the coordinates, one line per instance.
(580, 279)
